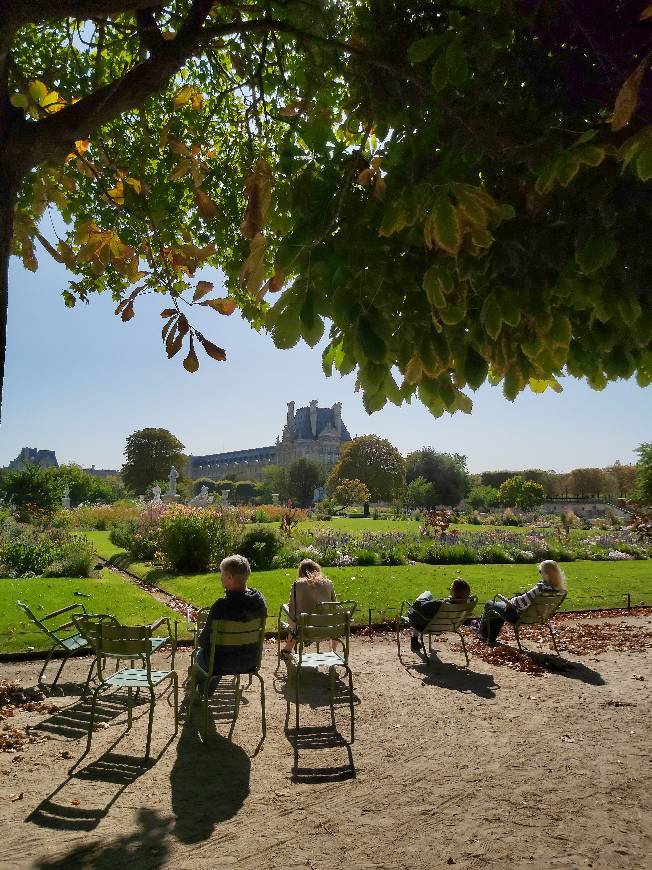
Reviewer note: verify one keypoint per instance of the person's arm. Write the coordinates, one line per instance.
(333, 593)
(292, 602)
(522, 602)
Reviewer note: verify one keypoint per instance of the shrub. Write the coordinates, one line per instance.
(103, 517)
(260, 546)
(194, 539)
(138, 536)
(75, 559)
(29, 552)
(366, 557)
(509, 518)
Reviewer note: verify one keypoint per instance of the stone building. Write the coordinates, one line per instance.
(34, 456)
(312, 432)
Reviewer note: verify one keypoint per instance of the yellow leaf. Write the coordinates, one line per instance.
(37, 90)
(414, 370)
(646, 13)
(540, 386)
(183, 96)
(205, 206)
(258, 187)
(627, 99)
(253, 269)
(117, 193)
(135, 184)
(182, 168)
(222, 306)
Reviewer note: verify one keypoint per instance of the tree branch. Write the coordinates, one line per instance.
(52, 137)
(35, 11)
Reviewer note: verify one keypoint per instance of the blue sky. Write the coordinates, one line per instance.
(79, 381)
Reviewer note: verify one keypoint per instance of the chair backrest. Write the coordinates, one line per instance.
(542, 608)
(201, 618)
(333, 606)
(450, 616)
(232, 632)
(87, 623)
(49, 630)
(332, 624)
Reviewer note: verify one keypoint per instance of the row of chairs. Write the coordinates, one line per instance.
(108, 639)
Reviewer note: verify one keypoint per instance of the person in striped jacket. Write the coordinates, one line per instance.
(496, 612)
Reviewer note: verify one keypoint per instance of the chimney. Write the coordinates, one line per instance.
(313, 417)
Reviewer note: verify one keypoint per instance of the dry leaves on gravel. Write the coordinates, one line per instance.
(15, 698)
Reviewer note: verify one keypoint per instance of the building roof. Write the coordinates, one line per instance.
(325, 418)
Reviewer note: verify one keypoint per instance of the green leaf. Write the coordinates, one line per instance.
(20, 101)
(644, 164)
(372, 344)
(421, 49)
(434, 286)
(456, 65)
(596, 254)
(491, 316)
(443, 225)
(475, 369)
(428, 393)
(439, 74)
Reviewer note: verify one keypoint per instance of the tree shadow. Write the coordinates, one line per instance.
(209, 782)
(71, 807)
(144, 849)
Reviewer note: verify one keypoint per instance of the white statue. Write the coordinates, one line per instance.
(141, 499)
(275, 496)
(156, 492)
(202, 499)
(172, 482)
(203, 493)
(225, 496)
(65, 501)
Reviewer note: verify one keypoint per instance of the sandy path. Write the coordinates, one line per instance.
(486, 768)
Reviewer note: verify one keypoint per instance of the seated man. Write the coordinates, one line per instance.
(239, 603)
(425, 608)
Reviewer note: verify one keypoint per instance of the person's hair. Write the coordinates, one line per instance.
(310, 571)
(460, 589)
(237, 566)
(551, 572)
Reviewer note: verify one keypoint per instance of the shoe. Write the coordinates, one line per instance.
(415, 644)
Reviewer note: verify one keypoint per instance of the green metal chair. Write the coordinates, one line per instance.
(63, 639)
(540, 612)
(116, 641)
(227, 633)
(330, 623)
(283, 623)
(448, 619)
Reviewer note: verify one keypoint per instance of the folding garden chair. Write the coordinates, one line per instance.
(283, 624)
(130, 642)
(331, 623)
(66, 642)
(227, 633)
(449, 618)
(540, 612)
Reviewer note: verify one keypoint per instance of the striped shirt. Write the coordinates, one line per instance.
(522, 602)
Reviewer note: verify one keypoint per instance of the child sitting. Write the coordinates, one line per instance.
(425, 607)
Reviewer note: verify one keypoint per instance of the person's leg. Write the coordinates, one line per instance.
(290, 641)
(415, 641)
(492, 620)
(202, 660)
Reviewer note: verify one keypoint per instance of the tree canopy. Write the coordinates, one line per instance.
(348, 492)
(445, 471)
(520, 493)
(303, 476)
(458, 192)
(373, 461)
(149, 456)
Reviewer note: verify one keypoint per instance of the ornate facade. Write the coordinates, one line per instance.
(311, 432)
(33, 456)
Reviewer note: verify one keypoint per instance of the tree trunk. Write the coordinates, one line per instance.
(8, 189)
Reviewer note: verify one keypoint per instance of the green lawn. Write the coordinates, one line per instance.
(591, 584)
(103, 546)
(109, 593)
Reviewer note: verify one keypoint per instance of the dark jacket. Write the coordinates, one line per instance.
(423, 610)
(240, 606)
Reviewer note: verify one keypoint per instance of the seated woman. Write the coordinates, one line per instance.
(308, 590)
(425, 607)
(496, 612)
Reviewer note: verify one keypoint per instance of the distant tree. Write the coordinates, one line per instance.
(375, 462)
(304, 475)
(625, 477)
(150, 454)
(244, 491)
(275, 479)
(420, 493)
(496, 478)
(644, 468)
(33, 490)
(483, 497)
(445, 471)
(520, 493)
(84, 487)
(348, 492)
(227, 483)
(118, 489)
(588, 482)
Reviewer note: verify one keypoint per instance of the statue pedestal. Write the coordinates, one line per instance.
(170, 498)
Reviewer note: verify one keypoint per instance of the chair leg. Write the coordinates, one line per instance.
(351, 703)
(175, 687)
(129, 713)
(205, 711)
(466, 655)
(398, 637)
(296, 696)
(262, 702)
(91, 720)
(88, 677)
(45, 664)
(518, 639)
(56, 679)
(552, 635)
(150, 722)
(238, 695)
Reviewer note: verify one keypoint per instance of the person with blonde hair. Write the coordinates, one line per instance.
(310, 589)
(496, 612)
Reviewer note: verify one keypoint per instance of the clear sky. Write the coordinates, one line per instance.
(79, 381)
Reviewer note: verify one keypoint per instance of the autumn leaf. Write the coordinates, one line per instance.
(203, 287)
(222, 306)
(127, 312)
(178, 147)
(191, 363)
(646, 14)
(627, 98)
(205, 206)
(215, 352)
(188, 94)
(168, 312)
(173, 342)
(253, 269)
(182, 168)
